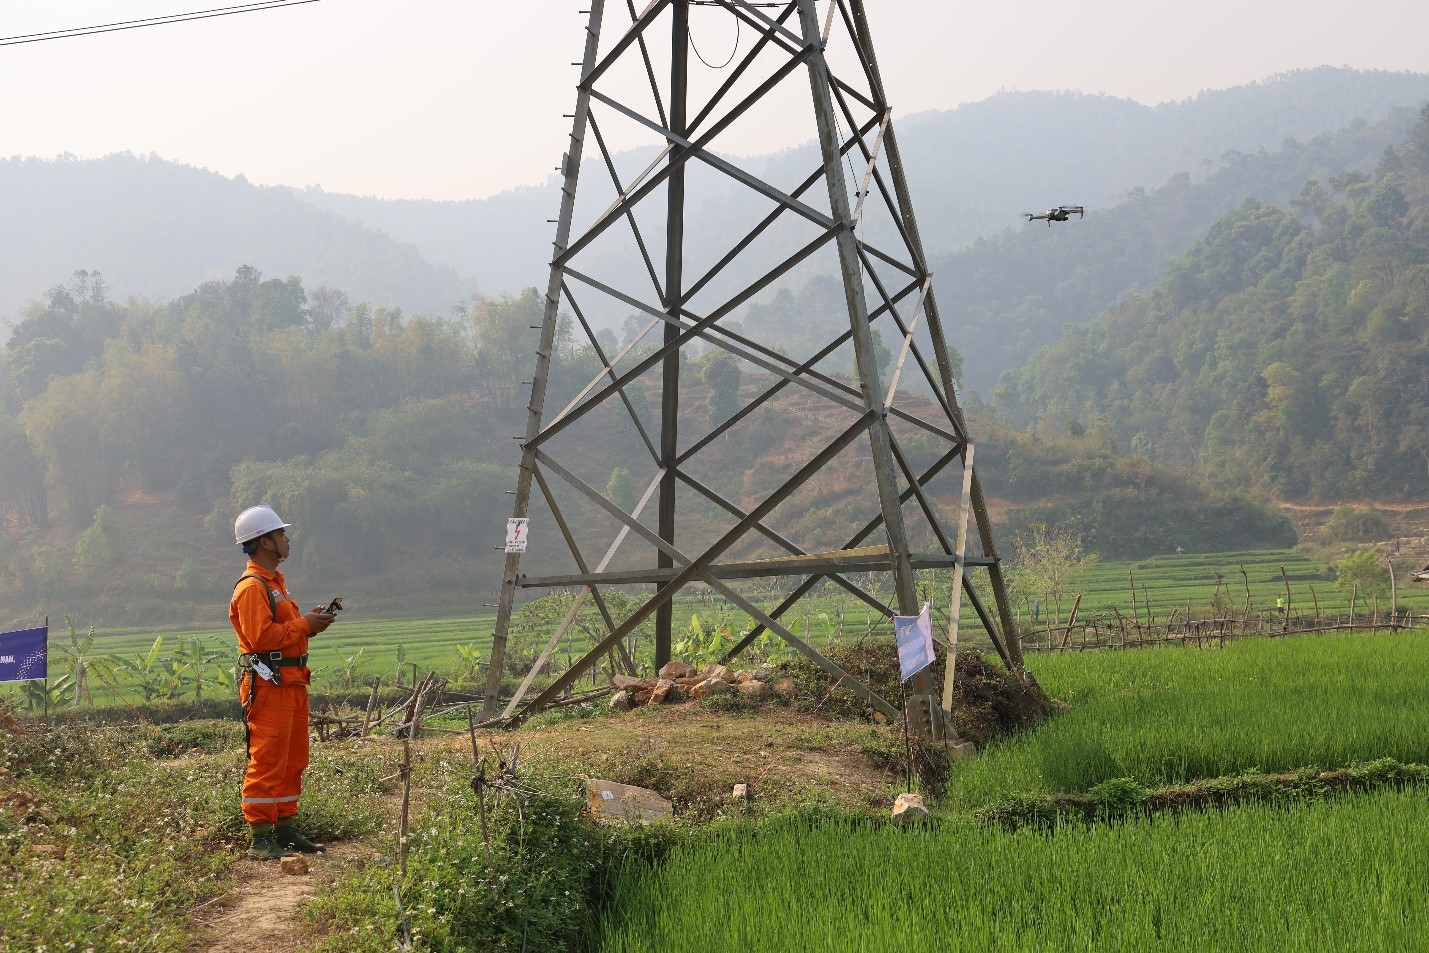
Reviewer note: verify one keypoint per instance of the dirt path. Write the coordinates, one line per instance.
(261, 914)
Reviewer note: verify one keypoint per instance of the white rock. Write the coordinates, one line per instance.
(674, 669)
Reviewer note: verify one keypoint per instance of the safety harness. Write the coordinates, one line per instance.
(261, 666)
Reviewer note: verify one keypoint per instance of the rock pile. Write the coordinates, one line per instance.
(677, 681)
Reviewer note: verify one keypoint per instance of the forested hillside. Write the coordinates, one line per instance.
(1287, 351)
(1004, 297)
(131, 434)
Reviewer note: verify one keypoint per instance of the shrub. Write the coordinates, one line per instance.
(1355, 524)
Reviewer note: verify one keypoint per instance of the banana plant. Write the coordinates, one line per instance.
(45, 695)
(468, 658)
(347, 672)
(81, 661)
(193, 660)
(143, 670)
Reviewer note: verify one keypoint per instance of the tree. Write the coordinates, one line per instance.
(97, 549)
(621, 489)
(721, 374)
(23, 496)
(1048, 562)
(81, 662)
(1362, 572)
(505, 339)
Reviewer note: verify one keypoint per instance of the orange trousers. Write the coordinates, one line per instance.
(277, 750)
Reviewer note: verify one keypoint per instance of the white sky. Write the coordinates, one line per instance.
(451, 99)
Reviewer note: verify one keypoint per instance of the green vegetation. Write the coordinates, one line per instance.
(1301, 335)
(1174, 715)
(1300, 878)
(140, 664)
(118, 830)
(532, 881)
(1355, 524)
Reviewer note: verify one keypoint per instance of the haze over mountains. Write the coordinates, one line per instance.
(157, 228)
(1295, 328)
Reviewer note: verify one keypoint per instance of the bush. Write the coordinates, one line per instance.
(1355, 524)
(536, 884)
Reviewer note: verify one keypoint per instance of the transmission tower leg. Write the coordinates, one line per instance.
(572, 168)
(674, 283)
(924, 713)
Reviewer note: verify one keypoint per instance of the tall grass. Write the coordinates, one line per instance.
(1176, 714)
(1343, 875)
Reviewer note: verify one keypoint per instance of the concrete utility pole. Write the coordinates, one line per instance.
(851, 215)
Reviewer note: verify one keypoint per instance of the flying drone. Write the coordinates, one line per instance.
(1059, 214)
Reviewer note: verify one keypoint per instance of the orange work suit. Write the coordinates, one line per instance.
(278, 717)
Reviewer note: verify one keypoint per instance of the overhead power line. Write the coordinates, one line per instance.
(151, 21)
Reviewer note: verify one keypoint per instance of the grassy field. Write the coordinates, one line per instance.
(1175, 714)
(1328, 876)
(135, 823)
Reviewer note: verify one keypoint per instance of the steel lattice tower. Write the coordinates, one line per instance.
(862, 421)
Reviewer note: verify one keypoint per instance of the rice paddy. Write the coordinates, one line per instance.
(1176, 714)
(1290, 876)
(1328, 876)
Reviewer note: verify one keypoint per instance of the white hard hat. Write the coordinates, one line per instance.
(256, 521)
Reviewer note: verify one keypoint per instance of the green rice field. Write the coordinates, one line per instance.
(1292, 875)
(1347, 875)
(1178, 713)
(355, 650)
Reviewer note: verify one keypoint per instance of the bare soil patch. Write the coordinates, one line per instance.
(262, 912)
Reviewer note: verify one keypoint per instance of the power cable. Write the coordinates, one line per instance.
(732, 53)
(150, 21)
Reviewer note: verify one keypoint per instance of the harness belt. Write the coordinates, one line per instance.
(272, 659)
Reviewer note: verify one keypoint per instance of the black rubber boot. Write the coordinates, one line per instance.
(263, 843)
(285, 832)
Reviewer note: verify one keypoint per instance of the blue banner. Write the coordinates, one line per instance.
(914, 634)
(23, 655)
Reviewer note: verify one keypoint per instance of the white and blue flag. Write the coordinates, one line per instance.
(914, 635)
(23, 655)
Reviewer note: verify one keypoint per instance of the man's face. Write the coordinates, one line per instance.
(279, 538)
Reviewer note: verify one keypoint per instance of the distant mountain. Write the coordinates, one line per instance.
(158, 228)
(1288, 351)
(1002, 298)
(1018, 291)
(971, 169)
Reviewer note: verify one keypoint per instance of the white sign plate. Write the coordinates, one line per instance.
(516, 534)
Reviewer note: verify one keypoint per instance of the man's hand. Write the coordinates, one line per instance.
(319, 620)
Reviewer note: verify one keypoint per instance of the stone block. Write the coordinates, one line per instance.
(909, 809)
(611, 801)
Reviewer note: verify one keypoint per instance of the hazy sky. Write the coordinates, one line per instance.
(463, 98)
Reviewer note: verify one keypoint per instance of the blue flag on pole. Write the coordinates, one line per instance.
(914, 635)
(23, 655)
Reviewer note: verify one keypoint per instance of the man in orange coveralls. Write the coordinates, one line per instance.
(273, 638)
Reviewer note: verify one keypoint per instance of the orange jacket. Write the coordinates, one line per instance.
(258, 632)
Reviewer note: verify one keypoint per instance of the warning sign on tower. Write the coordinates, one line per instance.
(516, 534)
